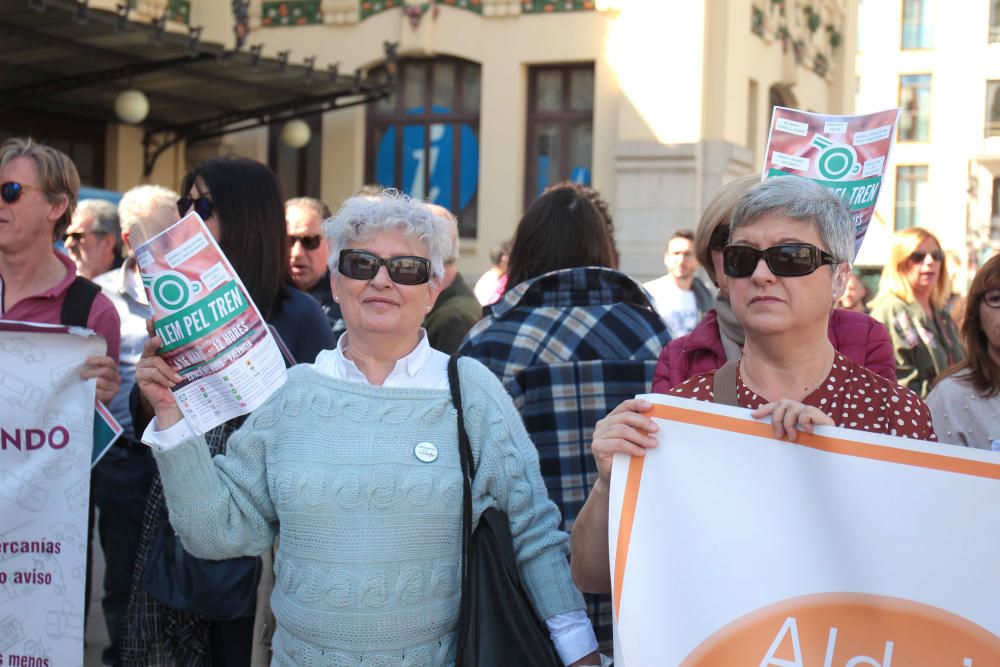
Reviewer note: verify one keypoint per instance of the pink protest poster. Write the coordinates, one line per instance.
(212, 332)
(847, 154)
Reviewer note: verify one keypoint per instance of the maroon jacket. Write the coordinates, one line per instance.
(857, 336)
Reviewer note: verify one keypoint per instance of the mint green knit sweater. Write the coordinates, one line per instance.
(368, 564)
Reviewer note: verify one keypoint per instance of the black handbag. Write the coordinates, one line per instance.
(218, 589)
(498, 624)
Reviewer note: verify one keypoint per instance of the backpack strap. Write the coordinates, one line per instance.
(79, 299)
(724, 384)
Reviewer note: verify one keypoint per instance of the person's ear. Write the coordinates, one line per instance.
(840, 281)
(125, 239)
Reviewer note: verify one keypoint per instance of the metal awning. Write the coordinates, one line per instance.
(60, 55)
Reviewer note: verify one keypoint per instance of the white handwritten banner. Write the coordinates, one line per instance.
(846, 549)
(46, 433)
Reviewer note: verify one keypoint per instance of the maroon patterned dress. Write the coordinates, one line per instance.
(853, 396)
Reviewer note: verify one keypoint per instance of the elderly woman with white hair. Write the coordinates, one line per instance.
(788, 257)
(355, 463)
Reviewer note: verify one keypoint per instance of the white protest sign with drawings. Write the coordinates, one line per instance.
(844, 549)
(46, 434)
(212, 332)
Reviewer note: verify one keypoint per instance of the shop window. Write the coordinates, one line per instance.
(915, 100)
(560, 126)
(424, 139)
(298, 169)
(917, 24)
(993, 108)
(912, 196)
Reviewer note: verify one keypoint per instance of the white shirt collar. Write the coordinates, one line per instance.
(423, 367)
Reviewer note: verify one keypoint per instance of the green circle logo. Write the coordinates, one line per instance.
(171, 291)
(836, 163)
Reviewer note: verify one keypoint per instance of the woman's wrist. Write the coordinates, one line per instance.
(167, 417)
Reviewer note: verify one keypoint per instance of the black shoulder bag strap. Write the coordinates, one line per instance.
(465, 456)
(724, 384)
(79, 299)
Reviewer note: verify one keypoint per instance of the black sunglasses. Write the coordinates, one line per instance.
(787, 259)
(11, 191)
(918, 256)
(202, 206)
(719, 238)
(308, 242)
(78, 236)
(405, 270)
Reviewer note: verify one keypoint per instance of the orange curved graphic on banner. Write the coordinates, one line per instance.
(848, 630)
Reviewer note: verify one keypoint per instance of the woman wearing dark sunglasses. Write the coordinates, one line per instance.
(240, 201)
(355, 463)
(912, 294)
(787, 263)
(965, 401)
(719, 336)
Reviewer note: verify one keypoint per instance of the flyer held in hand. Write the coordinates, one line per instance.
(212, 332)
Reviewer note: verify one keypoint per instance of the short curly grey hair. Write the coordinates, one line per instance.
(361, 218)
(804, 200)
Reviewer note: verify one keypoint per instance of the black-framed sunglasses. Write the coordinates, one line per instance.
(202, 206)
(308, 242)
(992, 298)
(11, 191)
(76, 237)
(918, 256)
(719, 238)
(405, 270)
(786, 260)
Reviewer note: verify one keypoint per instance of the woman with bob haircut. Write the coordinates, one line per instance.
(789, 252)
(965, 401)
(355, 463)
(241, 204)
(719, 336)
(913, 291)
(571, 338)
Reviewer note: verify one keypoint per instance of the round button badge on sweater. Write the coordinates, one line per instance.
(426, 452)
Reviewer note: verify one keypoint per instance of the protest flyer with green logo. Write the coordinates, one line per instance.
(212, 332)
(847, 154)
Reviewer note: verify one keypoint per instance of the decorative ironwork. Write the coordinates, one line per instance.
(290, 12)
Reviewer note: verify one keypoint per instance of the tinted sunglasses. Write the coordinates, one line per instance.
(405, 270)
(202, 206)
(719, 238)
(787, 259)
(11, 191)
(992, 298)
(308, 242)
(917, 256)
(78, 236)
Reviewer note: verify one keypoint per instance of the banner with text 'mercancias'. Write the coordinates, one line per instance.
(46, 444)
(730, 548)
(212, 332)
(847, 154)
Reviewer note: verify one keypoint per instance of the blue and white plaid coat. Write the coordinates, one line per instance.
(569, 346)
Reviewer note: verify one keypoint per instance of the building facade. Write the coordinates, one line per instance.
(940, 63)
(655, 104)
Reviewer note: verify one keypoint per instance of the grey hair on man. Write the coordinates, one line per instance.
(105, 219)
(362, 218)
(803, 200)
(153, 207)
(311, 203)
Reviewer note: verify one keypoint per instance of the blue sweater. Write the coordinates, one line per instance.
(368, 564)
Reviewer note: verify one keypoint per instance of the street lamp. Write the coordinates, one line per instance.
(131, 106)
(296, 133)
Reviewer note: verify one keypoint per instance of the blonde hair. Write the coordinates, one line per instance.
(718, 212)
(894, 280)
(57, 175)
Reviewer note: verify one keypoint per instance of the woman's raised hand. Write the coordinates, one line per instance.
(155, 378)
(624, 431)
(789, 417)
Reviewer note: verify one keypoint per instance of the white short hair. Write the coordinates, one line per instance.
(362, 218)
(144, 203)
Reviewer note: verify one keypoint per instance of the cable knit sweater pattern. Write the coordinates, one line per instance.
(368, 565)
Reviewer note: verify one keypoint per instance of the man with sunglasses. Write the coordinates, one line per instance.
(93, 239)
(39, 187)
(309, 253)
(457, 307)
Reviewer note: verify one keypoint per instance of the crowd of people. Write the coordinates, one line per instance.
(360, 532)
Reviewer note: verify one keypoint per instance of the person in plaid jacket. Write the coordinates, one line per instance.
(571, 338)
